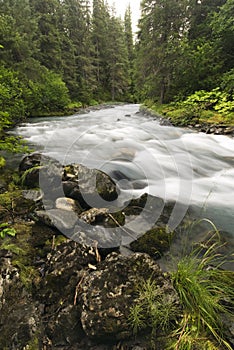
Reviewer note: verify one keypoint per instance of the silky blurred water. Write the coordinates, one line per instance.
(191, 168)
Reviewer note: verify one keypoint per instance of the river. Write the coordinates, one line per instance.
(193, 169)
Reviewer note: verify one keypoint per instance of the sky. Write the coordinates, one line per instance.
(121, 6)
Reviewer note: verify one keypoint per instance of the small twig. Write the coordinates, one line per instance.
(181, 333)
(53, 243)
(98, 256)
(78, 287)
(121, 227)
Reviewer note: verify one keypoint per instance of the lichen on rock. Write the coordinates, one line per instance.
(110, 291)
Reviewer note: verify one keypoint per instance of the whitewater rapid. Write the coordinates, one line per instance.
(188, 167)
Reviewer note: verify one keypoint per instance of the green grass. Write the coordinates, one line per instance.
(206, 294)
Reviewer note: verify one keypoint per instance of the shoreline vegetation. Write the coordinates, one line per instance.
(204, 111)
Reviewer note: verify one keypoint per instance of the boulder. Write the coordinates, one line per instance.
(91, 187)
(64, 271)
(154, 242)
(110, 291)
(38, 170)
(19, 316)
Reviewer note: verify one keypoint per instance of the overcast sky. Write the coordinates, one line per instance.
(121, 6)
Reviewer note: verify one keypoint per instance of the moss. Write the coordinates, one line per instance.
(33, 344)
(116, 219)
(154, 242)
(32, 242)
(13, 204)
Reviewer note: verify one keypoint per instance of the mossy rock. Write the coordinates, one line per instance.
(109, 293)
(136, 205)
(89, 186)
(154, 242)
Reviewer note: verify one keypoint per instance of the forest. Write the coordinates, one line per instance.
(60, 54)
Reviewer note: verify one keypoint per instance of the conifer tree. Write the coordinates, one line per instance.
(130, 49)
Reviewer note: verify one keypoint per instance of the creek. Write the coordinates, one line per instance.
(192, 169)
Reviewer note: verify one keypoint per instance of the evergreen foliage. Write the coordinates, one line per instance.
(53, 52)
(61, 50)
(183, 47)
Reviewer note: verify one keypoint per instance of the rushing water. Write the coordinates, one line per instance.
(190, 168)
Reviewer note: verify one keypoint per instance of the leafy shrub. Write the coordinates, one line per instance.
(46, 95)
(210, 106)
(12, 105)
(227, 83)
(12, 109)
(210, 100)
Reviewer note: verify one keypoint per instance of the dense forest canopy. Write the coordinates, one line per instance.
(54, 52)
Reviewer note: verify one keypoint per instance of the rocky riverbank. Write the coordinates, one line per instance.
(207, 128)
(71, 274)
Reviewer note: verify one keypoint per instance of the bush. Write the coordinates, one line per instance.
(47, 95)
(12, 105)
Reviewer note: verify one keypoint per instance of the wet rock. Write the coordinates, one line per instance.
(91, 187)
(103, 216)
(63, 272)
(228, 130)
(38, 170)
(154, 242)
(33, 195)
(146, 205)
(61, 219)
(109, 293)
(64, 329)
(103, 237)
(94, 215)
(30, 161)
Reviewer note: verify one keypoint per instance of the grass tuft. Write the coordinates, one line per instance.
(206, 292)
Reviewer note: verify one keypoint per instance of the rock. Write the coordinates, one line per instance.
(91, 187)
(38, 170)
(61, 219)
(58, 290)
(154, 242)
(103, 237)
(109, 292)
(229, 130)
(148, 204)
(103, 216)
(19, 317)
(68, 204)
(94, 215)
(33, 195)
(30, 161)
(64, 328)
